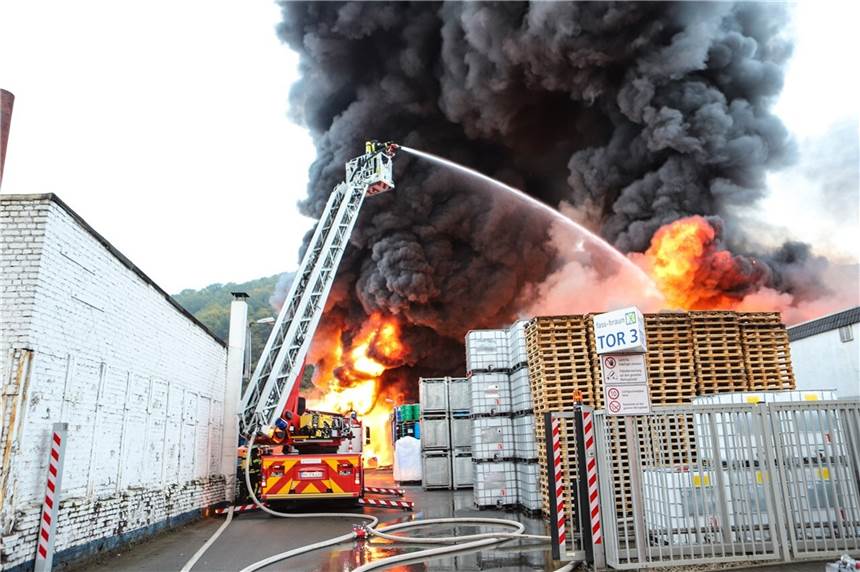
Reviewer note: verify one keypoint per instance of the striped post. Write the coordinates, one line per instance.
(237, 508)
(591, 476)
(552, 430)
(385, 503)
(51, 504)
(384, 491)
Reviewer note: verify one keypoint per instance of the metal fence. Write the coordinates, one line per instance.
(698, 484)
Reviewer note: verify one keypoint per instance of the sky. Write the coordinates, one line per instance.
(165, 125)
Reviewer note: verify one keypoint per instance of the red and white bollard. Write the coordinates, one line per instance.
(552, 430)
(591, 476)
(237, 508)
(51, 504)
(386, 503)
(384, 491)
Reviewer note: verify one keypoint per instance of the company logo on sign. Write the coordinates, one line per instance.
(621, 331)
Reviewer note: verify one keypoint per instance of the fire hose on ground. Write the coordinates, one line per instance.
(451, 544)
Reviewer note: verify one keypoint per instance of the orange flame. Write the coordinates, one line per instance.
(350, 379)
(694, 273)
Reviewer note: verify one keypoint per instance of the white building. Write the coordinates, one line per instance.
(825, 353)
(88, 339)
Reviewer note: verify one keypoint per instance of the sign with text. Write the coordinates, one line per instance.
(620, 331)
(625, 384)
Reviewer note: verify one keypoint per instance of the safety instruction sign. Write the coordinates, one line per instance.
(625, 384)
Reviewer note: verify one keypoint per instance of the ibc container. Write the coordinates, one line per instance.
(433, 394)
(459, 394)
(521, 393)
(525, 446)
(818, 497)
(461, 432)
(678, 504)
(528, 486)
(492, 438)
(754, 397)
(495, 484)
(803, 433)
(516, 334)
(434, 433)
(487, 350)
(491, 394)
(436, 470)
(462, 470)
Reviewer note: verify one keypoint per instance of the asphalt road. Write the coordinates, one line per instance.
(254, 536)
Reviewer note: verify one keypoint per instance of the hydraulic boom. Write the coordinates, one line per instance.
(269, 402)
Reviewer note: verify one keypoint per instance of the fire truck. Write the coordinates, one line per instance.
(300, 453)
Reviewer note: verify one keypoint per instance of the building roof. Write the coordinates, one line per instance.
(119, 255)
(824, 324)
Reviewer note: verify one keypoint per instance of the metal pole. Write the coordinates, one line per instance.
(639, 526)
(581, 489)
(554, 485)
(51, 504)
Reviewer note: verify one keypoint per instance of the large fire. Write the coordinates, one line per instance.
(354, 379)
(694, 272)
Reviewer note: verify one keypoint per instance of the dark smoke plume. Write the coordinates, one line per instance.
(636, 113)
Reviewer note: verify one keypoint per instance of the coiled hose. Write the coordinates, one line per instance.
(456, 544)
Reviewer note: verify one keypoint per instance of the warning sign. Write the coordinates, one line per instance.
(625, 384)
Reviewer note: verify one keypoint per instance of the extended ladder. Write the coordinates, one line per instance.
(283, 356)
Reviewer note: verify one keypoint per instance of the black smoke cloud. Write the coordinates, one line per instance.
(637, 113)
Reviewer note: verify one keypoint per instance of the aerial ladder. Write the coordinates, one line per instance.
(320, 452)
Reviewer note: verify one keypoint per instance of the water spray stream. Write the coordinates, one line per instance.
(605, 246)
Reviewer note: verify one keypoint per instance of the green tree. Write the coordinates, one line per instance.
(211, 305)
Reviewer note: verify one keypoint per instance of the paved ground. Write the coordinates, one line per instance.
(254, 536)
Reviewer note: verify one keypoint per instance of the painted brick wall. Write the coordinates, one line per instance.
(140, 384)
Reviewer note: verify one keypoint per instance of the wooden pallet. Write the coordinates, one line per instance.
(759, 319)
(718, 352)
(668, 441)
(559, 362)
(620, 465)
(767, 353)
(688, 354)
(670, 359)
(559, 366)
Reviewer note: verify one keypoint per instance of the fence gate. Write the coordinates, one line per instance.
(704, 484)
(818, 466)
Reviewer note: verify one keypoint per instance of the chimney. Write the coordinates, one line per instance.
(6, 102)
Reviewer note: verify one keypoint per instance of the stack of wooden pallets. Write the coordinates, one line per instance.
(719, 353)
(767, 356)
(689, 354)
(558, 347)
(670, 358)
(671, 364)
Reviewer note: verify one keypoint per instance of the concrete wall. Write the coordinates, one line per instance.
(823, 361)
(139, 382)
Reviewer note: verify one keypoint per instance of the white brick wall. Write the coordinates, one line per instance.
(139, 383)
